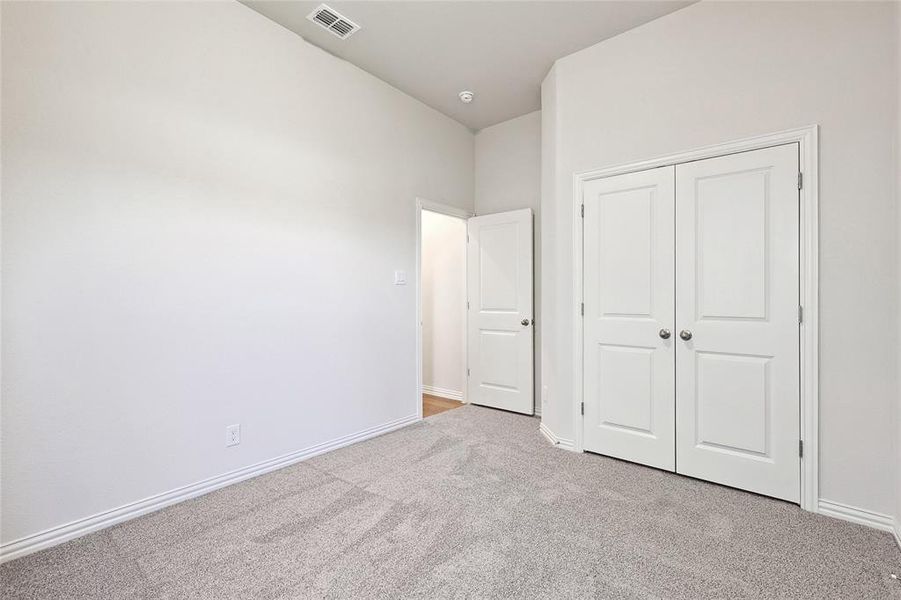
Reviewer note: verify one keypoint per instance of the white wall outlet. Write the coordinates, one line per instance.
(232, 435)
(400, 278)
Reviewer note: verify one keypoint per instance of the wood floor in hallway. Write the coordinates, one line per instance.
(433, 405)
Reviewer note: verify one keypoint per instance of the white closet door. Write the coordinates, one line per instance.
(628, 321)
(499, 273)
(737, 298)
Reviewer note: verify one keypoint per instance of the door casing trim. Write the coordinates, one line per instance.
(807, 140)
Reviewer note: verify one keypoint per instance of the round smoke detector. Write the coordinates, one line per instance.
(466, 96)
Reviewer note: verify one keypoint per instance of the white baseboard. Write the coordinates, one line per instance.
(559, 442)
(858, 515)
(442, 393)
(63, 533)
(547, 433)
(897, 531)
(566, 444)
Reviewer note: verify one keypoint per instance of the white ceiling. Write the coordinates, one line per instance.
(501, 50)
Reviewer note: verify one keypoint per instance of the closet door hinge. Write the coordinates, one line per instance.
(467, 371)
(800, 314)
(467, 305)
(583, 409)
(800, 180)
(801, 448)
(583, 211)
(582, 310)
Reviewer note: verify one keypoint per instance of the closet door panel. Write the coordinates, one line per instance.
(738, 381)
(628, 292)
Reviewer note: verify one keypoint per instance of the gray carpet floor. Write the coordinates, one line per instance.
(472, 503)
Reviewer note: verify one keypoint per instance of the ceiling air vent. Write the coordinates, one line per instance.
(336, 23)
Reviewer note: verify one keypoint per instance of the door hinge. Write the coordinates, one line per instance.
(583, 409)
(801, 448)
(800, 180)
(467, 372)
(467, 238)
(582, 310)
(800, 314)
(467, 305)
(583, 211)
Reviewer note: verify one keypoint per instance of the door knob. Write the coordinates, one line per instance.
(685, 334)
(525, 322)
(664, 333)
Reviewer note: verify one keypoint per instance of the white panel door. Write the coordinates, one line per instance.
(499, 273)
(629, 385)
(738, 384)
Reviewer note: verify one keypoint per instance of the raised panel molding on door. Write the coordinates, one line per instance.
(737, 298)
(499, 273)
(628, 317)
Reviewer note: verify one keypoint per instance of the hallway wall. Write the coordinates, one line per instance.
(443, 305)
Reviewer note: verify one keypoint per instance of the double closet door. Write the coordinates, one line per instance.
(691, 319)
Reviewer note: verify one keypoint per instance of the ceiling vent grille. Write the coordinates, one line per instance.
(333, 21)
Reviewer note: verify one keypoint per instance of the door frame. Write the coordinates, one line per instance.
(806, 138)
(451, 211)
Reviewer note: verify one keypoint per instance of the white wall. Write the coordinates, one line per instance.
(719, 71)
(201, 219)
(508, 165)
(898, 203)
(443, 304)
(553, 410)
(508, 177)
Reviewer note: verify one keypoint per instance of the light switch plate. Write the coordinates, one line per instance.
(232, 435)
(400, 278)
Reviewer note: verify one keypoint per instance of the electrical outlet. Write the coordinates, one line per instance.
(232, 435)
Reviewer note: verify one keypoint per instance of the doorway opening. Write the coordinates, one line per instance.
(442, 298)
(474, 313)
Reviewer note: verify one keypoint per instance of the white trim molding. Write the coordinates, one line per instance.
(442, 392)
(63, 533)
(547, 433)
(553, 439)
(896, 530)
(806, 138)
(845, 512)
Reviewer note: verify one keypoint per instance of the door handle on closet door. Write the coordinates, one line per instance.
(664, 333)
(685, 334)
